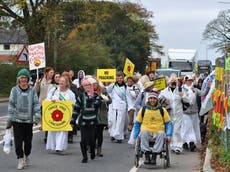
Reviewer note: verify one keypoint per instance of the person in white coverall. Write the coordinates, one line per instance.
(190, 129)
(118, 109)
(175, 96)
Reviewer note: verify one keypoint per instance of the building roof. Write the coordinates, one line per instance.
(13, 37)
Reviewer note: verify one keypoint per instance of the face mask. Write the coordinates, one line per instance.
(173, 84)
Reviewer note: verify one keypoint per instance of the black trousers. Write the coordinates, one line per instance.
(87, 139)
(99, 134)
(23, 134)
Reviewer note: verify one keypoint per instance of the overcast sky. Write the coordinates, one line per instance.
(180, 23)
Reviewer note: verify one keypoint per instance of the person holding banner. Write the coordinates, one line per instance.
(121, 104)
(42, 87)
(87, 109)
(24, 111)
(58, 140)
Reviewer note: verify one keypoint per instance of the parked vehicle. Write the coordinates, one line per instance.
(168, 72)
(182, 59)
(153, 63)
(204, 66)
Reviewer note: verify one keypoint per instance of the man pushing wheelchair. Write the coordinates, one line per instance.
(152, 125)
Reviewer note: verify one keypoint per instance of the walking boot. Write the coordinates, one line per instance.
(192, 146)
(185, 146)
(92, 155)
(154, 158)
(147, 158)
(84, 153)
(99, 152)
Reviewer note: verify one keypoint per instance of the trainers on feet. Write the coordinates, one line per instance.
(20, 164)
(26, 161)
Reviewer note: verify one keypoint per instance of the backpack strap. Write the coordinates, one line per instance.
(143, 112)
(160, 108)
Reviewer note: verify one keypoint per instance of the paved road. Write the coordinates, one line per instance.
(117, 158)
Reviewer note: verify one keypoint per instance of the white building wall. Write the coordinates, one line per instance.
(14, 49)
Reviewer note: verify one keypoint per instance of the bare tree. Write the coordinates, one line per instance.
(218, 32)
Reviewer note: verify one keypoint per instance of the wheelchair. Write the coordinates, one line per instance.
(164, 154)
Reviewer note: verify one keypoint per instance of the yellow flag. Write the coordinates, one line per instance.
(56, 115)
(128, 68)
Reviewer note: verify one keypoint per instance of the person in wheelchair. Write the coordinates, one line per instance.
(152, 123)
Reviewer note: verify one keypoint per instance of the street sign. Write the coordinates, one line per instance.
(23, 55)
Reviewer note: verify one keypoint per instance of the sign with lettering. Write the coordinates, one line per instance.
(106, 75)
(37, 56)
(56, 115)
(160, 83)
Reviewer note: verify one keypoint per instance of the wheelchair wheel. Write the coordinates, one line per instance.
(136, 161)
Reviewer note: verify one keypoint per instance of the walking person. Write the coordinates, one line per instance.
(102, 114)
(190, 129)
(87, 106)
(42, 87)
(58, 140)
(24, 111)
(76, 91)
(175, 96)
(121, 104)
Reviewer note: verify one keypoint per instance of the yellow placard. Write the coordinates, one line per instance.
(106, 75)
(219, 73)
(56, 115)
(128, 68)
(160, 83)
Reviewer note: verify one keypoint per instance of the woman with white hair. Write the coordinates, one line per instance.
(58, 140)
(175, 95)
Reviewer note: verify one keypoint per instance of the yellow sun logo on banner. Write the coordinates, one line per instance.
(128, 68)
(56, 115)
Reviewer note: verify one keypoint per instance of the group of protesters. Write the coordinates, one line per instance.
(97, 106)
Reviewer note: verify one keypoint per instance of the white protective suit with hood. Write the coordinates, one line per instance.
(118, 109)
(190, 130)
(176, 115)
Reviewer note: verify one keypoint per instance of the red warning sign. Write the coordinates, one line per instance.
(23, 55)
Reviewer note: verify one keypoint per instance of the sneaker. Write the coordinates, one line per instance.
(26, 161)
(20, 164)
(177, 151)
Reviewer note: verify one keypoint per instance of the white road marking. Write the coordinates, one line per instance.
(3, 117)
(35, 130)
(134, 168)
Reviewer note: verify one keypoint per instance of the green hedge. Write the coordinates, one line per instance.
(7, 78)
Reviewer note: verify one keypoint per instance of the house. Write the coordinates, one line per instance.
(11, 43)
